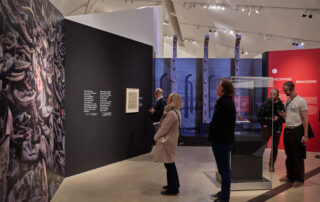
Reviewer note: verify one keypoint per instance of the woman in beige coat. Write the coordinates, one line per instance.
(166, 140)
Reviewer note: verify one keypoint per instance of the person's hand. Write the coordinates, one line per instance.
(151, 110)
(283, 114)
(304, 139)
(265, 126)
(276, 118)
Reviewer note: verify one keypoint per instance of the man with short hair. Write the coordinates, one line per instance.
(221, 136)
(271, 123)
(295, 138)
(157, 111)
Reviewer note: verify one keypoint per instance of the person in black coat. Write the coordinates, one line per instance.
(269, 116)
(157, 111)
(221, 135)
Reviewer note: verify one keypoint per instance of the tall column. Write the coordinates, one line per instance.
(174, 84)
(237, 55)
(205, 80)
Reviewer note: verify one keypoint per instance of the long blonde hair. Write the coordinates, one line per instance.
(176, 102)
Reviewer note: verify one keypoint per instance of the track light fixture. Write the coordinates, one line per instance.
(243, 8)
(307, 13)
(249, 13)
(165, 23)
(257, 10)
(297, 44)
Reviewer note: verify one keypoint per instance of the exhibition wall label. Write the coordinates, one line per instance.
(97, 103)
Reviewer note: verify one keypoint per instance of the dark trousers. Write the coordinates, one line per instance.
(172, 177)
(294, 161)
(266, 134)
(222, 155)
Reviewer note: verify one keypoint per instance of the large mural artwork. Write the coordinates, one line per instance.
(32, 152)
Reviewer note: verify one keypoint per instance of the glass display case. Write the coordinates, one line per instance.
(250, 155)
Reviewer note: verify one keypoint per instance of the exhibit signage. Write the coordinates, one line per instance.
(301, 67)
(92, 99)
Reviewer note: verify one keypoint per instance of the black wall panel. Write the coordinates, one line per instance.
(97, 60)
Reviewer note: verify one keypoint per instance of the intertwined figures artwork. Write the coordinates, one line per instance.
(32, 80)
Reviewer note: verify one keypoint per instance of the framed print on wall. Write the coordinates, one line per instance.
(132, 100)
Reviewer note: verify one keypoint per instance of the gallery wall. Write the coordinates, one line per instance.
(144, 25)
(97, 64)
(302, 67)
(32, 149)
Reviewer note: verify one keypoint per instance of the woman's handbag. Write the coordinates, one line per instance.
(180, 140)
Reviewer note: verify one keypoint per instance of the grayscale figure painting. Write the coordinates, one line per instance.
(32, 81)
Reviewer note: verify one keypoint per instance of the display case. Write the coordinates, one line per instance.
(250, 155)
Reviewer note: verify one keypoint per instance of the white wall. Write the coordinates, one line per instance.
(143, 25)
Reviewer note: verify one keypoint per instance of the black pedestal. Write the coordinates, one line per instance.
(247, 157)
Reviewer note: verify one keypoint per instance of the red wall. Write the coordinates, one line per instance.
(303, 68)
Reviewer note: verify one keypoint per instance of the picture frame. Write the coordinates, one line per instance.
(132, 100)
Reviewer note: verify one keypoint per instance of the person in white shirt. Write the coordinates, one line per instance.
(295, 135)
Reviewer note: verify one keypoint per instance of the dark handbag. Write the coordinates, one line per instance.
(299, 132)
(180, 140)
(310, 132)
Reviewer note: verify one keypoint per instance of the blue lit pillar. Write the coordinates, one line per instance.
(237, 55)
(205, 80)
(174, 84)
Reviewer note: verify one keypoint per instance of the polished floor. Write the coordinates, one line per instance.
(140, 180)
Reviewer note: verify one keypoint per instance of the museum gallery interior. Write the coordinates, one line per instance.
(78, 80)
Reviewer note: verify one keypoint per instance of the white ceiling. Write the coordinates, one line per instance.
(279, 21)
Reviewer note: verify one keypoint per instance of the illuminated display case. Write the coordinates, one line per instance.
(250, 154)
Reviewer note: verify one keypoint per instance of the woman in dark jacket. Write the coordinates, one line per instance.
(221, 135)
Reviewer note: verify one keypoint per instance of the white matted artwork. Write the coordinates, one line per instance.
(132, 100)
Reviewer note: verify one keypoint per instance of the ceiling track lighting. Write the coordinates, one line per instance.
(307, 13)
(243, 52)
(243, 8)
(260, 36)
(165, 23)
(304, 14)
(298, 44)
(310, 14)
(249, 13)
(257, 10)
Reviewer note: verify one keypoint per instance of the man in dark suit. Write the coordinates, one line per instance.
(157, 111)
